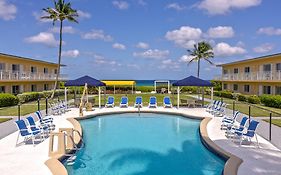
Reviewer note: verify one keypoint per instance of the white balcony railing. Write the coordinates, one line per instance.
(252, 76)
(12, 75)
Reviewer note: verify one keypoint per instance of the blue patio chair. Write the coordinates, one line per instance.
(211, 105)
(32, 125)
(24, 132)
(232, 129)
(251, 132)
(167, 102)
(152, 102)
(45, 121)
(138, 102)
(124, 102)
(229, 121)
(110, 102)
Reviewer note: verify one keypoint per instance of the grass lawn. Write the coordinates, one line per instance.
(244, 108)
(27, 108)
(4, 119)
(276, 122)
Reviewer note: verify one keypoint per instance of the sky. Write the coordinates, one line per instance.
(142, 39)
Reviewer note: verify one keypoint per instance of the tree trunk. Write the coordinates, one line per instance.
(59, 63)
(198, 68)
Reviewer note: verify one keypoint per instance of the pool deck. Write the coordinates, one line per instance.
(29, 160)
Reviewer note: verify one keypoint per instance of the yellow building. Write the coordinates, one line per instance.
(256, 76)
(19, 74)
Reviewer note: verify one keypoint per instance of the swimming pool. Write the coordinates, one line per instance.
(152, 144)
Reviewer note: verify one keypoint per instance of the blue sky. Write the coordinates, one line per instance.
(142, 39)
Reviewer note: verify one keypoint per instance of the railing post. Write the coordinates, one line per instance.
(46, 105)
(233, 107)
(249, 113)
(38, 104)
(19, 111)
(270, 122)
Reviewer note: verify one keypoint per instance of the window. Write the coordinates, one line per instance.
(16, 89)
(247, 70)
(277, 90)
(46, 70)
(2, 66)
(236, 70)
(46, 87)
(235, 87)
(278, 67)
(15, 67)
(224, 86)
(33, 88)
(55, 71)
(266, 89)
(246, 88)
(2, 89)
(267, 67)
(225, 71)
(33, 69)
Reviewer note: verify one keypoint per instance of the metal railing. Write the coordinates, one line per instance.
(12, 75)
(252, 76)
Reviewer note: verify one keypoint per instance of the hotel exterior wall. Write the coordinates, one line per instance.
(26, 86)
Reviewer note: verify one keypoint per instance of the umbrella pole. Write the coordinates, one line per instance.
(99, 98)
(178, 97)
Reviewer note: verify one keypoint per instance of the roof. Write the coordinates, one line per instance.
(119, 83)
(29, 59)
(251, 59)
(192, 81)
(83, 80)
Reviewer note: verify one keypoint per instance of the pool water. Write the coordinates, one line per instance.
(152, 144)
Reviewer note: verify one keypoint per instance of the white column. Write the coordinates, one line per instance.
(178, 97)
(65, 96)
(155, 86)
(133, 89)
(212, 95)
(99, 98)
(168, 87)
(114, 89)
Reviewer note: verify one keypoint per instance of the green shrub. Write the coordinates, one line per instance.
(271, 100)
(242, 97)
(217, 93)
(8, 100)
(227, 94)
(32, 96)
(145, 88)
(254, 99)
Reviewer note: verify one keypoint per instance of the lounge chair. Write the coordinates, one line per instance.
(251, 132)
(32, 125)
(210, 105)
(167, 102)
(47, 121)
(138, 102)
(229, 121)
(231, 130)
(152, 102)
(24, 132)
(124, 102)
(110, 102)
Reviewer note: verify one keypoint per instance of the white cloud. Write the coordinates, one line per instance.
(119, 46)
(185, 36)
(220, 32)
(156, 54)
(142, 45)
(7, 11)
(97, 35)
(269, 31)
(83, 14)
(218, 7)
(65, 29)
(263, 48)
(170, 64)
(38, 16)
(122, 5)
(185, 58)
(70, 53)
(224, 49)
(142, 2)
(45, 38)
(175, 6)
(134, 66)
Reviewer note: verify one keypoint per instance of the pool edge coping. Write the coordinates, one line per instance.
(230, 168)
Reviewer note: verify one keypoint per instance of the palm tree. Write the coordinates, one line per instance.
(202, 50)
(62, 11)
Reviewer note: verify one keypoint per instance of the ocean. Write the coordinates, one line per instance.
(149, 82)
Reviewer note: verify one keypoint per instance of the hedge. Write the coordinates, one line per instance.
(254, 99)
(242, 97)
(8, 100)
(32, 96)
(271, 100)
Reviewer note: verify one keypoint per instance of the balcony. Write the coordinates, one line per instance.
(28, 76)
(252, 76)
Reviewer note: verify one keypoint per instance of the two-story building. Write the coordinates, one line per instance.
(19, 74)
(261, 75)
